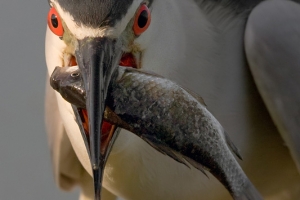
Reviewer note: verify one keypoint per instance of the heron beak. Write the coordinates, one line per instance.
(97, 59)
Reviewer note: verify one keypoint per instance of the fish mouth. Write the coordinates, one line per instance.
(128, 59)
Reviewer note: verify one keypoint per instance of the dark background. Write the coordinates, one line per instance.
(25, 165)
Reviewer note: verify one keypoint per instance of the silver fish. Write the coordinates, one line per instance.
(172, 120)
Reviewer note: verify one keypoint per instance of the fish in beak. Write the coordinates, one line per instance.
(170, 119)
(97, 59)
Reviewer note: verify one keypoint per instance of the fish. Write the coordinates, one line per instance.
(173, 120)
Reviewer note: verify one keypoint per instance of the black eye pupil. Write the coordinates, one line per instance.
(54, 21)
(143, 19)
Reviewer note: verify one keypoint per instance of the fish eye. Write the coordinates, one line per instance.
(142, 20)
(54, 22)
(75, 74)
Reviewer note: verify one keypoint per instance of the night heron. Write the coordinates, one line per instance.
(242, 57)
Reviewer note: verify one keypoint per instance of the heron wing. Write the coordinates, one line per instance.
(272, 46)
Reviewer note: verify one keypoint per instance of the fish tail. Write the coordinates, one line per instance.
(249, 193)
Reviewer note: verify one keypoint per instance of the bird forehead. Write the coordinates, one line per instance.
(96, 13)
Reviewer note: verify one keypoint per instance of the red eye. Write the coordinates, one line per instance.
(142, 20)
(54, 22)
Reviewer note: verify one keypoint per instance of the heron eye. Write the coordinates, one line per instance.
(54, 22)
(142, 20)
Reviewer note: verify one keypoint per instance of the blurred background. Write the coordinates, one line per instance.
(25, 165)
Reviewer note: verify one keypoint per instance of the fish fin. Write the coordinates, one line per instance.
(196, 165)
(233, 148)
(249, 193)
(160, 147)
(196, 96)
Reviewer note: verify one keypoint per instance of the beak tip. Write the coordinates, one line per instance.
(97, 183)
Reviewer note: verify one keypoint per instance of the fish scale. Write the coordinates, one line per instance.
(178, 130)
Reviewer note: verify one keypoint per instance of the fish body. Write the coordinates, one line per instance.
(170, 119)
